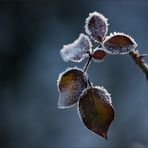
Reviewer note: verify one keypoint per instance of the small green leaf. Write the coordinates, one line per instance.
(96, 110)
(71, 83)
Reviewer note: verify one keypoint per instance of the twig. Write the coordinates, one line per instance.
(85, 68)
(139, 61)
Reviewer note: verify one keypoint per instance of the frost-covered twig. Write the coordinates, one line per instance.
(139, 61)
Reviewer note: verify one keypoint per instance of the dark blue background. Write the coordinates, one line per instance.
(31, 36)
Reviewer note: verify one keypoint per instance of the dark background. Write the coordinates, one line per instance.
(31, 36)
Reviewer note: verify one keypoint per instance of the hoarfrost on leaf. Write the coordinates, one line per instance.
(96, 26)
(95, 110)
(70, 84)
(119, 43)
(77, 50)
(104, 93)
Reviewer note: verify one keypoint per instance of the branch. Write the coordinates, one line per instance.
(139, 61)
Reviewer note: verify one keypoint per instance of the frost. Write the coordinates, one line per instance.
(64, 72)
(77, 50)
(96, 26)
(70, 84)
(119, 43)
(65, 102)
(104, 93)
(67, 70)
(101, 92)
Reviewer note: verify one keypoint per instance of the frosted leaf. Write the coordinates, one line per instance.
(96, 26)
(95, 110)
(77, 50)
(119, 43)
(98, 54)
(101, 92)
(70, 84)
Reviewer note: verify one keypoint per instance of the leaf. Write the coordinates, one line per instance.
(98, 54)
(71, 83)
(119, 43)
(96, 110)
(96, 26)
(77, 50)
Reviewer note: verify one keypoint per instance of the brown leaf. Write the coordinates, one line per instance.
(98, 54)
(96, 26)
(119, 43)
(71, 83)
(96, 110)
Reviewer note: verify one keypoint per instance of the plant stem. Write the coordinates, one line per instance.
(89, 83)
(86, 66)
(139, 61)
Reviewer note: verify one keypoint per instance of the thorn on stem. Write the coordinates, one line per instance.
(139, 61)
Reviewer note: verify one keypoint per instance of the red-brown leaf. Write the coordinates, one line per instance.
(119, 43)
(98, 54)
(96, 110)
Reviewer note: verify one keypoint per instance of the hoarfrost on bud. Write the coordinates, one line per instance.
(96, 26)
(77, 50)
(119, 43)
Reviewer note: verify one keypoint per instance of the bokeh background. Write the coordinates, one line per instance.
(31, 35)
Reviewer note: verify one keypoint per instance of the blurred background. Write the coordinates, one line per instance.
(31, 36)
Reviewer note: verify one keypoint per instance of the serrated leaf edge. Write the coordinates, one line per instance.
(120, 34)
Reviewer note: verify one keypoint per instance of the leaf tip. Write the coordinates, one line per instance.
(104, 135)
